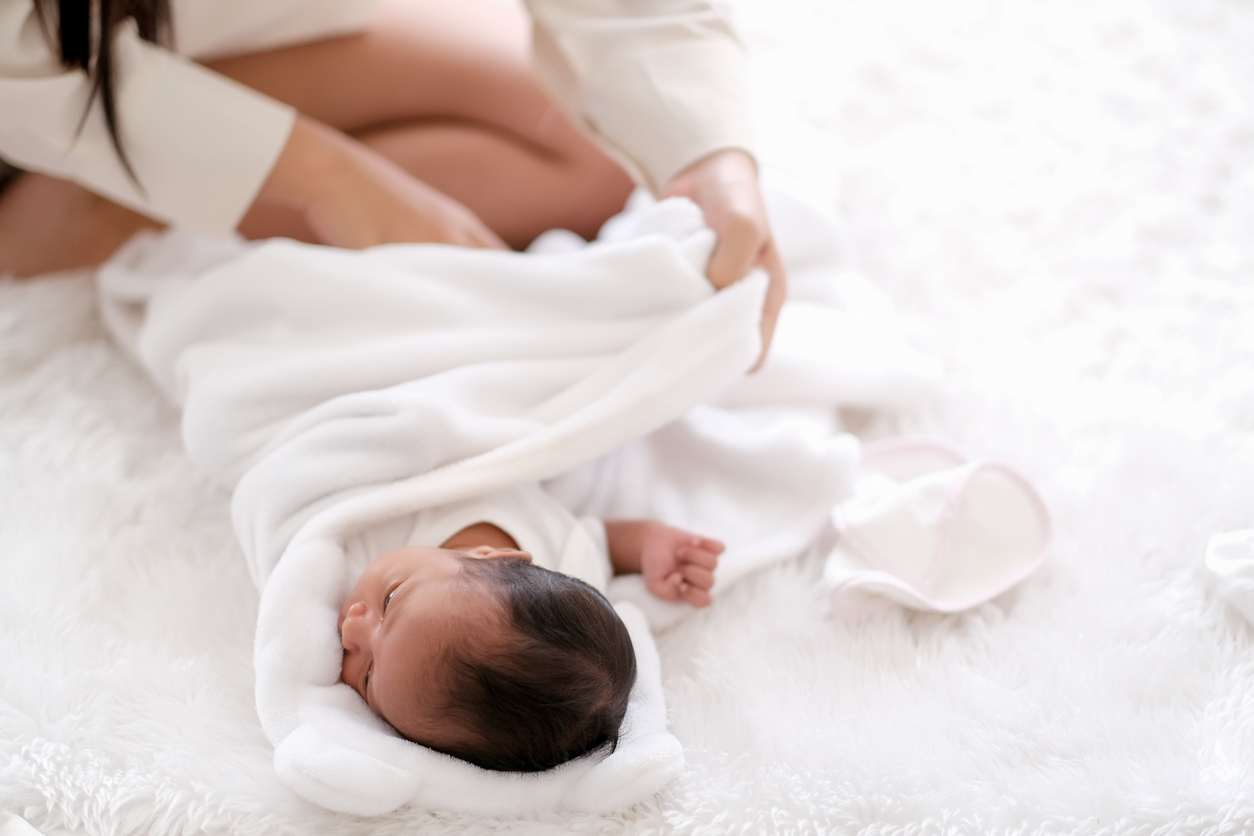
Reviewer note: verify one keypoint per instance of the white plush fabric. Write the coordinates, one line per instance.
(1055, 196)
(935, 530)
(1230, 559)
(336, 392)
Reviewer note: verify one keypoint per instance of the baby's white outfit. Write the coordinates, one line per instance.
(539, 524)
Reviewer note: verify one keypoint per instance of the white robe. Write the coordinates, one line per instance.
(659, 84)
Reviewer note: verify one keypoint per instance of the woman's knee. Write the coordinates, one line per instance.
(419, 59)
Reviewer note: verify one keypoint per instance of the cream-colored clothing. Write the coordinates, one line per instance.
(539, 524)
(661, 83)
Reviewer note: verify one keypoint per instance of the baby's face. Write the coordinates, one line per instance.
(406, 610)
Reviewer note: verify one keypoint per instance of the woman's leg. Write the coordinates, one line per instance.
(48, 224)
(444, 88)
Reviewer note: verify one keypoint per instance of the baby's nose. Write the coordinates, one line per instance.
(351, 631)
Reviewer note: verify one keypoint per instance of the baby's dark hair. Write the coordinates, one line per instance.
(555, 688)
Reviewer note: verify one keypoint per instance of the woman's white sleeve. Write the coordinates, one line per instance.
(660, 83)
(200, 144)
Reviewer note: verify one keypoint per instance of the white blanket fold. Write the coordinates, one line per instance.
(335, 391)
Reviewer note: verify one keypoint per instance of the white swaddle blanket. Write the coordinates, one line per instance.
(334, 391)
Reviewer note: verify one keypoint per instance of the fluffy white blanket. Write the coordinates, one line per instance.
(338, 391)
(335, 392)
(1054, 195)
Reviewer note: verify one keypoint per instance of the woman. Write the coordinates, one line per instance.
(352, 123)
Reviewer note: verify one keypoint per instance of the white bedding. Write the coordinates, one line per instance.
(336, 392)
(1056, 196)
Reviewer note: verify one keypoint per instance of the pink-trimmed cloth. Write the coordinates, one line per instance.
(934, 530)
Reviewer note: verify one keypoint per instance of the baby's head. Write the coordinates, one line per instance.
(486, 657)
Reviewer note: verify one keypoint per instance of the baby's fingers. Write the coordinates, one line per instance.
(695, 541)
(697, 576)
(691, 583)
(697, 556)
(668, 588)
(696, 597)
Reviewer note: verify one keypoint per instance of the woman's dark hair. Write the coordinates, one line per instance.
(556, 687)
(87, 43)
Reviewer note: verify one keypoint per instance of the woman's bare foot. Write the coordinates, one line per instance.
(48, 224)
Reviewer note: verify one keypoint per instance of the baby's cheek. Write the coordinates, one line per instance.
(348, 670)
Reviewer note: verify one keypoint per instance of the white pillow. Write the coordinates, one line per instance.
(331, 749)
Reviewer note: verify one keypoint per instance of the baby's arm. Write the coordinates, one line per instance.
(676, 564)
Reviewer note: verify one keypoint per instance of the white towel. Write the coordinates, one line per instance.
(334, 391)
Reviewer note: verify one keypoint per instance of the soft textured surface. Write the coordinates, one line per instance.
(347, 398)
(338, 392)
(934, 531)
(1058, 196)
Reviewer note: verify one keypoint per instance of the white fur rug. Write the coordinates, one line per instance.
(1059, 194)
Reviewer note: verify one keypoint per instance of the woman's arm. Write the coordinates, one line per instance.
(664, 86)
(354, 197)
(200, 145)
(204, 148)
(725, 185)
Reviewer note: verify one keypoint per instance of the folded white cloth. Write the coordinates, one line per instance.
(934, 530)
(11, 825)
(1230, 560)
(339, 391)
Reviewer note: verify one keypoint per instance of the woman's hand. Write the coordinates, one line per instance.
(725, 186)
(352, 197)
(676, 564)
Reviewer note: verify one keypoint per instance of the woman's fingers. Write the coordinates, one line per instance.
(741, 240)
(725, 186)
(486, 239)
(460, 226)
(776, 294)
(742, 245)
(353, 197)
(384, 205)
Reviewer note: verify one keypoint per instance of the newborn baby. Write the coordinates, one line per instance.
(471, 649)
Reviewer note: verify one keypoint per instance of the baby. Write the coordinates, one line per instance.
(470, 649)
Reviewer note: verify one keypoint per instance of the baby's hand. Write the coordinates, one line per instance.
(678, 564)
